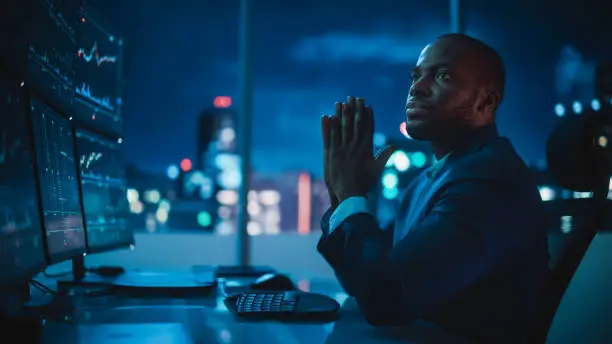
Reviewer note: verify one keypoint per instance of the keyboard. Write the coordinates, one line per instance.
(285, 305)
(269, 302)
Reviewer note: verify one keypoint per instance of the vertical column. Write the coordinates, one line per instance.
(456, 23)
(244, 130)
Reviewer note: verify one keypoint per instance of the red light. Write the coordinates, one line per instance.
(223, 102)
(186, 165)
(403, 130)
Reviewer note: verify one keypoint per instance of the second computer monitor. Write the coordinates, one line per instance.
(103, 188)
(21, 243)
(58, 182)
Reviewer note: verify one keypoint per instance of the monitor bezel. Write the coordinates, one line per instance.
(68, 255)
(99, 248)
(31, 272)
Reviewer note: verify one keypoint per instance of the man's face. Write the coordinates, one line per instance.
(443, 91)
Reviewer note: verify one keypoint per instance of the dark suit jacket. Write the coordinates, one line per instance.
(471, 254)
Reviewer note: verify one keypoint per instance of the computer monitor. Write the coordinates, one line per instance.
(21, 242)
(98, 76)
(39, 46)
(58, 183)
(103, 189)
(52, 51)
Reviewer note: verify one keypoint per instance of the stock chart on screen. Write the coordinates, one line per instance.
(20, 225)
(58, 182)
(104, 191)
(98, 80)
(52, 50)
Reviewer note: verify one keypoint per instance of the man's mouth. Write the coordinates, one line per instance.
(415, 109)
(416, 112)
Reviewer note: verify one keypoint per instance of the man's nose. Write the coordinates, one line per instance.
(420, 88)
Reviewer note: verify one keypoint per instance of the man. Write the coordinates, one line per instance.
(466, 251)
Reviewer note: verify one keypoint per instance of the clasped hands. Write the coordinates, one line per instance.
(350, 167)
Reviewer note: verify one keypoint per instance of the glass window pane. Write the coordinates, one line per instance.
(306, 57)
(550, 52)
(181, 76)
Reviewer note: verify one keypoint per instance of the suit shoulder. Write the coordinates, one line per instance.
(496, 160)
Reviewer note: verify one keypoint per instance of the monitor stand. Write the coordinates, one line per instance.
(141, 282)
(17, 320)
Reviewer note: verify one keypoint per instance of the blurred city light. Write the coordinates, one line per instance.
(404, 131)
(566, 224)
(161, 215)
(602, 141)
(546, 193)
(132, 195)
(390, 193)
(390, 179)
(173, 172)
(227, 197)
(577, 107)
(164, 204)
(560, 110)
(226, 161)
(152, 196)
(379, 139)
(204, 219)
(136, 207)
(304, 203)
(186, 165)
(595, 105)
(254, 228)
(400, 160)
(224, 212)
(583, 194)
(222, 102)
(227, 135)
(229, 179)
(207, 189)
(253, 208)
(418, 159)
(269, 197)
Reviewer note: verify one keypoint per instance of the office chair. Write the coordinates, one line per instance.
(580, 164)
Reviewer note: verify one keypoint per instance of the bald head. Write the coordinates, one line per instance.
(491, 67)
(456, 86)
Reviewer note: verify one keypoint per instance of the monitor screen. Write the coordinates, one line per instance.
(63, 218)
(51, 44)
(104, 192)
(22, 251)
(98, 78)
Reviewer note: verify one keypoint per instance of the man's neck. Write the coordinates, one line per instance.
(449, 142)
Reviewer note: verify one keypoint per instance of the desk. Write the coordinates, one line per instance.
(116, 320)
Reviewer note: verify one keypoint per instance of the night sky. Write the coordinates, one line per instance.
(308, 54)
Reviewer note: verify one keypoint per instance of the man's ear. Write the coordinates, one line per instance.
(490, 99)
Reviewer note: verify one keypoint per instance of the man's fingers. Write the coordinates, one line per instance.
(383, 156)
(370, 121)
(335, 134)
(339, 109)
(325, 131)
(348, 117)
(360, 117)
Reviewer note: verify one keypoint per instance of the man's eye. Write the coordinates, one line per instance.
(443, 76)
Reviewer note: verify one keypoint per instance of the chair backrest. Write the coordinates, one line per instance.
(578, 164)
(567, 250)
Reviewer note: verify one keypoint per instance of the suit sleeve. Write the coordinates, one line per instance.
(333, 256)
(468, 231)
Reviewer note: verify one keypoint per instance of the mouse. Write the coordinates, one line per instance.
(273, 282)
